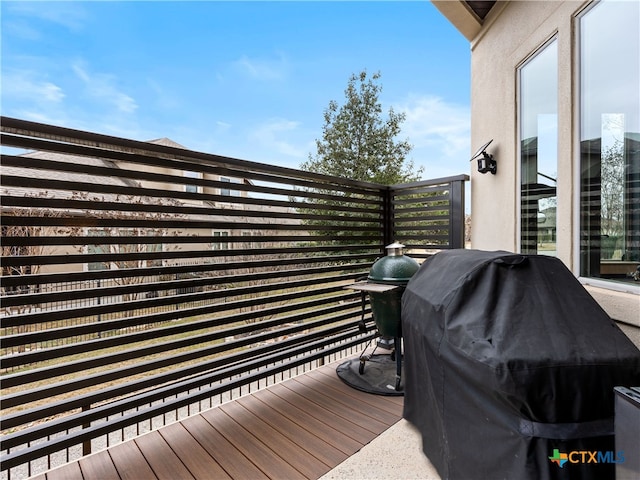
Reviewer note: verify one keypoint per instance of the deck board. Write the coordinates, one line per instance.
(230, 459)
(322, 429)
(350, 410)
(308, 465)
(313, 444)
(298, 429)
(391, 403)
(70, 471)
(339, 423)
(126, 458)
(376, 406)
(193, 455)
(99, 466)
(251, 447)
(164, 462)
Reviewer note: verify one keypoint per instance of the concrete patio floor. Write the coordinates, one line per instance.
(396, 454)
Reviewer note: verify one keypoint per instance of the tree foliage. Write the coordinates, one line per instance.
(358, 143)
(612, 189)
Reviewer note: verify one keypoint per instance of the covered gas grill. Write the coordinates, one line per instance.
(510, 365)
(385, 285)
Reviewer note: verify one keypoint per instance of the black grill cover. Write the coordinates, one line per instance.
(508, 357)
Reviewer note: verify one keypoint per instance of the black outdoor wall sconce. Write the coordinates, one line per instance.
(486, 162)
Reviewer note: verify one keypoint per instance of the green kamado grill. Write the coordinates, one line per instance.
(385, 285)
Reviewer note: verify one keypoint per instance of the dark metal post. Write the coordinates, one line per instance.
(86, 444)
(387, 216)
(456, 214)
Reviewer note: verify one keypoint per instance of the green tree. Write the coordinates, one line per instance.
(358, 143)
(612, 189)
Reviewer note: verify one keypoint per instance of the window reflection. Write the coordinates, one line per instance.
(539, 151)
(610, 141)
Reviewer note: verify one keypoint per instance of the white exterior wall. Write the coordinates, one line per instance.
(512, 32)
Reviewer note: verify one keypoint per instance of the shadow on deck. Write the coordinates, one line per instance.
(298, 429)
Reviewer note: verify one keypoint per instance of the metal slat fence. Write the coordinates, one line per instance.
(142, 282)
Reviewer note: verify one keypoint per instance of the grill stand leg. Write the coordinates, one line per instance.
(398, 351)
(365, 357)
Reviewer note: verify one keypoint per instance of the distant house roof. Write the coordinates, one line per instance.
(92, 175)
(167, 142)
(36, 173)
(70, 176)
(81, 160)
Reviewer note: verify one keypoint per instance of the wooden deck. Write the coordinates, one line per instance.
(298, 429)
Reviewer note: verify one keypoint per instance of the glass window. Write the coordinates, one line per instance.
(539, 151)
(610, 141)
(225, 191)
(220, 244)
(191, 188)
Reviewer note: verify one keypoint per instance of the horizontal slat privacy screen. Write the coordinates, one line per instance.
(141, 277)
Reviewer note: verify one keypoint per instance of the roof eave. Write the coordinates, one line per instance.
(460, 16)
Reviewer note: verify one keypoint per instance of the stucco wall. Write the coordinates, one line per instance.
(511, 34)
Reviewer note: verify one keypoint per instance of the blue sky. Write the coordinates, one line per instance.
(243, 79)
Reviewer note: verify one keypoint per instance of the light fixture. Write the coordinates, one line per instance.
(486, 162)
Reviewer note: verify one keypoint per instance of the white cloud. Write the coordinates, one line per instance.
(20, 29)
(70, 15)
(103, 87)
(440, 133)
(431, 122)
(275, 135)
(164, 98)
(38, 116)
(27, 85)
(80, 72)
(51, 92)
(263, 68)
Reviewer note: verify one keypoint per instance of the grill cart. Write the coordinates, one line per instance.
(385, 285)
